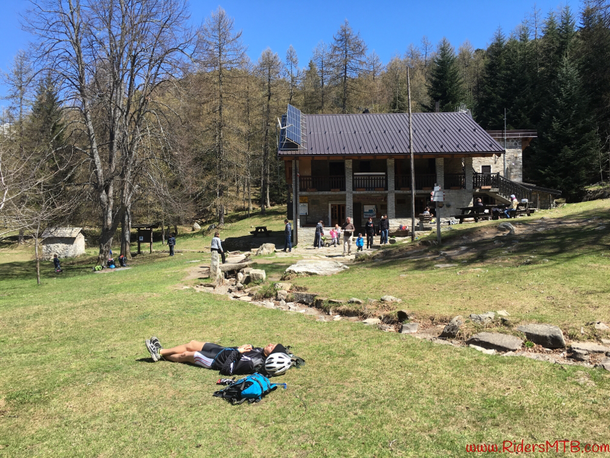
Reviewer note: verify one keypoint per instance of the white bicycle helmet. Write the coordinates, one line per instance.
(277, 363)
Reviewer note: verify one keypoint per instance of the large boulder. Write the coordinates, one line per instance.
(547, 335)
(265, 248)
(496, 341)
(196, 227)
(316, 267)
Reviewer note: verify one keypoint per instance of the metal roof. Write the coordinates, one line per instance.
(388, 134)
(63, 232)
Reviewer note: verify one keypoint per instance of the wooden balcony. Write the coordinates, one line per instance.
(322, 184)
(370, 181)
(423, 181)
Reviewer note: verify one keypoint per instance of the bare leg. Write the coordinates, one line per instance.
(179, 353)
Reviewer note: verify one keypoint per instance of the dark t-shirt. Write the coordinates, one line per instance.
(348, 229)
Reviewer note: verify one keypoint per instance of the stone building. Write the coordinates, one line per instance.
(359, 165)
(65, 242)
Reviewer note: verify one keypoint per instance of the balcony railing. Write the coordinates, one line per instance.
(455, 180)
(422, 180)
(370, 182)
(324, 183)
(481, 180)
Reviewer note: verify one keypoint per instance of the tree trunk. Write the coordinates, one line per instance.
(126, 234)
(163, 229)
(37, 255)
(21, 240)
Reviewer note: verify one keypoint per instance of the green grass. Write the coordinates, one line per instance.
(75, 379)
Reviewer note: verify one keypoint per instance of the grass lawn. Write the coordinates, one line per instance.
(76, 380)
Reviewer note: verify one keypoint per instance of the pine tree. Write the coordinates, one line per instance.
(568, 146)
(445, 85)
(492, 101)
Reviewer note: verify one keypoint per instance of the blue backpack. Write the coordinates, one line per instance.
(251, 388)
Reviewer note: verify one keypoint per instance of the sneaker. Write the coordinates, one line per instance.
(154, 353)
(156, 343)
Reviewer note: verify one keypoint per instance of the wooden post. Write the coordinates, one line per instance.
(412, 160)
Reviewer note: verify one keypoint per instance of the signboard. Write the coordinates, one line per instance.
(303, 200)
(370, 211)
(141, 239)
(437, 195)
(303, 208)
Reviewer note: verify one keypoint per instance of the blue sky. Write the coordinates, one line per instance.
(387, 27)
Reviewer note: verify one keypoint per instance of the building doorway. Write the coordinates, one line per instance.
(337, 214)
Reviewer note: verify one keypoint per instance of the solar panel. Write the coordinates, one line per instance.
(293, 126)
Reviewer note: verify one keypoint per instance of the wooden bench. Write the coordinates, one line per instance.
(261, 230)
(523, 209)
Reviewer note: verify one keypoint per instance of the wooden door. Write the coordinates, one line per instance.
(337, 214)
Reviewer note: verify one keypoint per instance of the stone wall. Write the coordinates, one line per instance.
(63, 247)
(514, 160)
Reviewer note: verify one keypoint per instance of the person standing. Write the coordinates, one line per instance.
(171, 242)
(56, 263)
(317, 242)
(287, 236)
(384, 226)
(360, 242)
(217, 246)
(348, 231)
(370, 232)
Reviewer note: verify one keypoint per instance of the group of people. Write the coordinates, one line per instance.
(271, 360)
(348, 230)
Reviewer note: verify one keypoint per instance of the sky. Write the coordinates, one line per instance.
(387, 27)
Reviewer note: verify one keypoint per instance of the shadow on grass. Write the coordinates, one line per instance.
(560, 240)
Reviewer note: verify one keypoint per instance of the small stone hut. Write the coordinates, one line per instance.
(65, 242)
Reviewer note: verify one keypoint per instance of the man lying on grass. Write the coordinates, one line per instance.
(272, 359)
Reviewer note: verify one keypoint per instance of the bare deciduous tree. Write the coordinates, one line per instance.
(112, 55)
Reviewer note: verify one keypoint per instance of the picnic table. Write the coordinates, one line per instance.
(260, 230)
(523, 208)
(477, 212)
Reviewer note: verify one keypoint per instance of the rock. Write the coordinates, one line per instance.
(506, 227)
(221, 289)
(282, 303)
(409, 328)
(360, 256)
(216, 275)
(292, 307)
(453, 328)
(258, 275)
(578, 355)
(390, 299)
(246, 298)
(483, 350)
(355, 300)
(503, 313)
(283, 286)
(496, 341)
(605, 364)
(392, 241)
(601, 326)
(317, 267)
(321, 318)
(337, 318)
(304, 298)
(240, 277)
(547, 335)
(319, 302)
(196, 227)
(402, 315)
(269, 304)
(281, 295)
(589, 347)
(606, 341)
(239, 286)
(265, 248)
(372, 321)
(444, 266)
(483, 318)
(336, 301)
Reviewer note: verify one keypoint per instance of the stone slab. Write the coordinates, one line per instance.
(304, 298)
(590, 347)
(547, 335)
(317, 267)
(496, 341)
(409, 328)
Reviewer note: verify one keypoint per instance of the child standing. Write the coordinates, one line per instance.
(333, 236)
(360, 242)
(56, 263)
